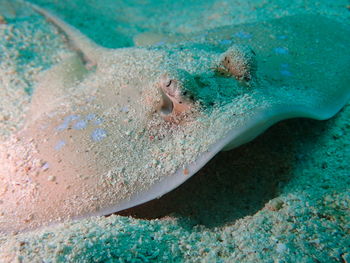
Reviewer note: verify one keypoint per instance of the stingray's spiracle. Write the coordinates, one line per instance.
(175, 90)
(238, 61)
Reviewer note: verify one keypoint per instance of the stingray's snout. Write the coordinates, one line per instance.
(238, 61)
(175, 101)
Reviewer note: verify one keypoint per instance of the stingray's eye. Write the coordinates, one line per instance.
(239, 61)
(169, 83)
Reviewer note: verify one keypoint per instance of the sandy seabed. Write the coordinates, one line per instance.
(284, 197)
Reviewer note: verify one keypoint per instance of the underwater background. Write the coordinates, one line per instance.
(284, 197)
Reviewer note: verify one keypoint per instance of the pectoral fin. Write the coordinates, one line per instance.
(54, 84)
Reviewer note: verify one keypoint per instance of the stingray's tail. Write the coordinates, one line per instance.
(90, 49)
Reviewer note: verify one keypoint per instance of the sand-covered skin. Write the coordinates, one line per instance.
(235, 221)
(23, 34)
(302, 202)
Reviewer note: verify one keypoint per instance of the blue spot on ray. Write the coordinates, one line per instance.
(243, 35)
(160, 43)
(282, 37)
(62, 127)
(98, 134)
(281, 50)
(59, 145)
(90, 117)
(98, 121)
(93, 117)
(80, 125)
(66, 122)
(225, 42)
(70, 118)
(285, 72)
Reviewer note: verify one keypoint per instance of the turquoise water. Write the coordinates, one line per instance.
(115, 23)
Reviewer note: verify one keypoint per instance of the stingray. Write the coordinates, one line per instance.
(110, 129)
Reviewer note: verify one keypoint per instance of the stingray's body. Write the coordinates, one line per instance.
(95, 142)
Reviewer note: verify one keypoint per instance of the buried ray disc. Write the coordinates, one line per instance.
(96, 141)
